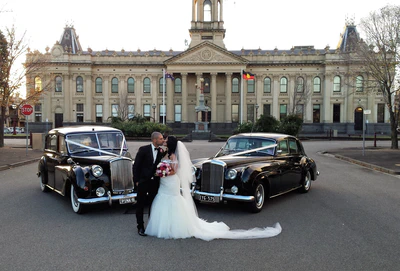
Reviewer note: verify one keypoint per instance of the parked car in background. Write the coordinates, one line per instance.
(90, 164)
(18, 130)
(253, 167)
(7, 130)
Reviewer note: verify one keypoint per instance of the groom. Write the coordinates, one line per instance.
(144, 169)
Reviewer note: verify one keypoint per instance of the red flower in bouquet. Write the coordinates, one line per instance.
(163, 169)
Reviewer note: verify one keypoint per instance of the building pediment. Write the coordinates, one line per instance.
(206, 53)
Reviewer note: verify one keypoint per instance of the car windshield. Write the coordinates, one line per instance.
(250, 146)
(107, 142)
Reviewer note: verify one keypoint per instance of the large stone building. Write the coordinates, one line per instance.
(321, 85)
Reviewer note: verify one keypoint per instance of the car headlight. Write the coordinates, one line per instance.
(231, 174)
(97, 171)
(100, 191)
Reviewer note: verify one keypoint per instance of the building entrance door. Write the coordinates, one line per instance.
(59, 118)
(358, 119)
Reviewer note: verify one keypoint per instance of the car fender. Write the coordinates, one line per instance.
(42, 169)
(77, 179)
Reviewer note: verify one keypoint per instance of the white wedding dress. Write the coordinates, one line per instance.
(174, 214)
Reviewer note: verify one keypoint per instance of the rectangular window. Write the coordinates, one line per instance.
(131, 111)
(250, 86)
(381, 113)
(316, 113)
(79, 107)
(282, 111)
(146, 110)
(336, 112)
(267, 110)
(99, 113)
(114, 110)
(178, 113)
(235, 113)
(38, 107)
(250, 112)
(163, 109)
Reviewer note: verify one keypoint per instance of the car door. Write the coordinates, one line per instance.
(295, 172)
(51, 157)
(283, 158)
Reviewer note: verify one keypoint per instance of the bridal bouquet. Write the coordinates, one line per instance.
(163, 169)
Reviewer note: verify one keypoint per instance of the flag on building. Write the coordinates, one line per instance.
(248, 75)
(168, 75)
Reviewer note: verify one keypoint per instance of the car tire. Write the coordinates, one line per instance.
(43, 187)
(77, 207)
(259, 198)
(306, 183)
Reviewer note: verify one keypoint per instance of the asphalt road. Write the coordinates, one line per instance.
(350, 220)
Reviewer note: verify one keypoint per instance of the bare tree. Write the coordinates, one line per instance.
(379, 55)
(13, 76)
(298, 99)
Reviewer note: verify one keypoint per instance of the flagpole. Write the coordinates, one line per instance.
(241, 96)
(163, 98)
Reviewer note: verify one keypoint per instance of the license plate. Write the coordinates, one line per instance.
(126, 200)
(209, 198)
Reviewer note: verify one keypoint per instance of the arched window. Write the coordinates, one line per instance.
(336, 84)
(267, 85)
(131, 85)
(178, 85)
(99, 85)
(114, 85)
(79, 84)
(161, 85)
(58, 83)
(300, 84)
(317, 84)
(207, 11)
(38, 84)
(283, 85)
(359, 83)
(146, 85)
(250, 86)
(235, 85)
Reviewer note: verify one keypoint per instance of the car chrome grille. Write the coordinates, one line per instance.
(121, 175)
(212, 178)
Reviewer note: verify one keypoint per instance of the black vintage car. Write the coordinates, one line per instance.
(252, 167)
(91, 164)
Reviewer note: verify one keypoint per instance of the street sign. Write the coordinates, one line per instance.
(367, 112)
(26, 109)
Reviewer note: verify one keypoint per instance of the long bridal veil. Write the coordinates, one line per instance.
(200, 228)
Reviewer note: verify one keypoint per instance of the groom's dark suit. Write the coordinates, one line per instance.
(144, 170)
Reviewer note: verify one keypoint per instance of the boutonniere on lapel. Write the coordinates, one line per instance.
(160, 150)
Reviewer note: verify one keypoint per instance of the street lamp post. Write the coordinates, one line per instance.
(257, 106)
(154, 112)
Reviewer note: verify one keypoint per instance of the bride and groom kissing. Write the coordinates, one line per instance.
(172, 211)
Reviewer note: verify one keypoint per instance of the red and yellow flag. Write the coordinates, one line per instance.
(248, 76)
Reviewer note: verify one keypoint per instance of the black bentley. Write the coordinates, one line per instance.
(91, 164)
(252, 167)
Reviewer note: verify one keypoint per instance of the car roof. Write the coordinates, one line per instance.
(83, 129)
(275, 136)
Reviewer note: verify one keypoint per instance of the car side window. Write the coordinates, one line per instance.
(61, 145)
(51, 142)
(283, 147)
(293, 146)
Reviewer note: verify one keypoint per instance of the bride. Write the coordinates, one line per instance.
(173, 212)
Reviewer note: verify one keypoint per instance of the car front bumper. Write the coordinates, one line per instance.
(219, 197)
(123, 199)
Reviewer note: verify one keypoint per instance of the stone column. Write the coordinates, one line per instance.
(213, 97)
(326, 101)
(170, 101)
(139, 94)
(185, 113)
(67, 97)
(88, 99)
(228, 98)
(275, 96)
(106, 95)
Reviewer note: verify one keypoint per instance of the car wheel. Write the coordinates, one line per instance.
(306, 183)
(259, 198)
(76, 206)
(43, 187)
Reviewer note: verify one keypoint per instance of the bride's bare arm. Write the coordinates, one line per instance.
(174, 162)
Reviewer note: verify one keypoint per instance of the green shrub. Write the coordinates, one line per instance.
(291, 125)
(267, 124)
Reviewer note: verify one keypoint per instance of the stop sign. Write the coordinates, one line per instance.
(26, 109)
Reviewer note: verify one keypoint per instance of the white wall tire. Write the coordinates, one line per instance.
(76, 206)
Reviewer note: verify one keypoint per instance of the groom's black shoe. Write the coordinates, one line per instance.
(141, 232)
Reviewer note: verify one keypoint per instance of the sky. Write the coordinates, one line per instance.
(164, 25)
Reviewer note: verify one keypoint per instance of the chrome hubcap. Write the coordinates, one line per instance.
(260, 196)
(307, 181)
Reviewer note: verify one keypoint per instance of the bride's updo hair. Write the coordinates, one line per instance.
(172, 142)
